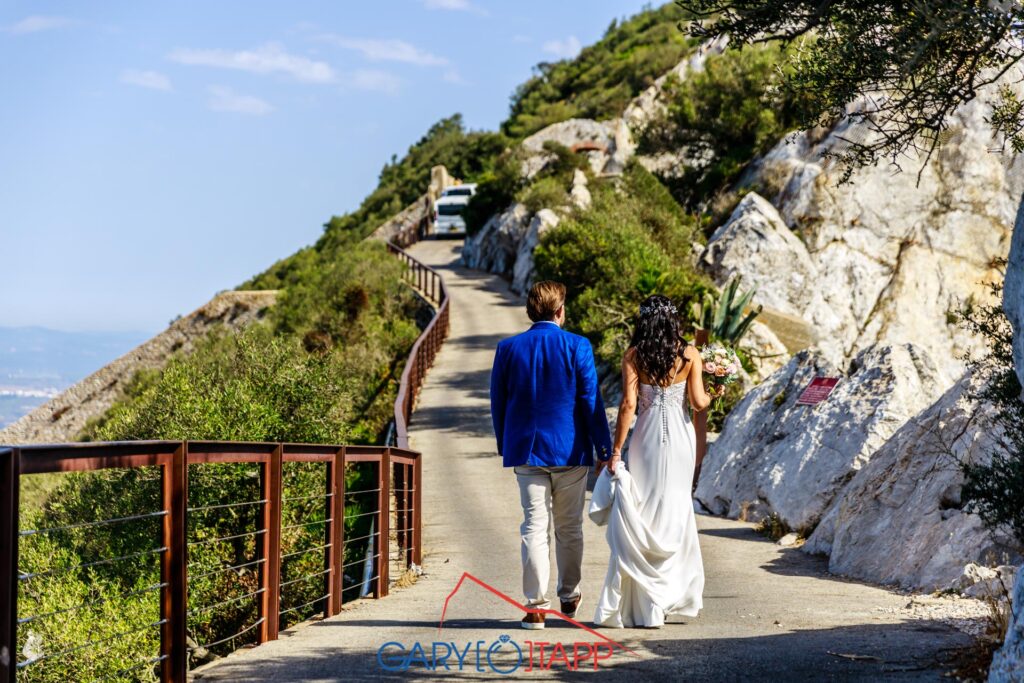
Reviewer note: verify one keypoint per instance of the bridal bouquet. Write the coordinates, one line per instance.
(721, 364)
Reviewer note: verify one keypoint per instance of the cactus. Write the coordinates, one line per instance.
(724, 318)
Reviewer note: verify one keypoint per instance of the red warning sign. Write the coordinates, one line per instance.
(817, 391)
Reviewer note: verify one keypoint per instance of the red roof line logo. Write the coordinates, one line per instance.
(528, 610)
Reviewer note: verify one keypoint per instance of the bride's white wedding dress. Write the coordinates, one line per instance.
(655, 569)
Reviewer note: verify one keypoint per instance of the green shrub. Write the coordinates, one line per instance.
(601, 81)
(495, 190)
(722, 117)
(546, 193)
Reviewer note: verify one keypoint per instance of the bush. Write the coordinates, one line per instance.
(995, 490)
(721, 119)
(495, 190)
(546, 193)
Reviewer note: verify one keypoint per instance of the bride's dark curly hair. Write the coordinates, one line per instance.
(658, 338)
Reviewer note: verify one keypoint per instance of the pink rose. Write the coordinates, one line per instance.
(710, 368)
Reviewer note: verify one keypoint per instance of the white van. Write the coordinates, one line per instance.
(465, 190)
(448, 214)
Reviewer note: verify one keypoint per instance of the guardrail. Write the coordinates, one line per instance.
(394, 539)
(429, 283)
(262, 578)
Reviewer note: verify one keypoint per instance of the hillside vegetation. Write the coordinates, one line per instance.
(323, 367)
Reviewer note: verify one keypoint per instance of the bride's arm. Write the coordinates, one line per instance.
(627, 408)
(699, 398)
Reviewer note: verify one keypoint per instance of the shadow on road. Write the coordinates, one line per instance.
(909, 651)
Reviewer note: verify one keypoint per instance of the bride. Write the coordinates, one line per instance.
(655, 570)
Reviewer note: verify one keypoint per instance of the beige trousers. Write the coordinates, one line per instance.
(558, 494)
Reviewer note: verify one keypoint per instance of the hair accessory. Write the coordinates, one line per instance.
(658, 307)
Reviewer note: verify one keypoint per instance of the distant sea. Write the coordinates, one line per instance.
(37, 363)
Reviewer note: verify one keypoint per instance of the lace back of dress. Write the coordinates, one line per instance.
(652, 396)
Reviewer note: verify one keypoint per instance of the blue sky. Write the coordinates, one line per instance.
(152, 154)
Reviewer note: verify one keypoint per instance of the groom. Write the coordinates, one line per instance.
(548, 418)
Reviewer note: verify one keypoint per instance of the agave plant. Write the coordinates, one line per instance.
(724, 318)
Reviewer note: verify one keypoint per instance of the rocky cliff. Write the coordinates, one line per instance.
(888, 256)
(62, 418)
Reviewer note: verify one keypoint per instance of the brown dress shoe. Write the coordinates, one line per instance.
(533, 621)
(569, 607)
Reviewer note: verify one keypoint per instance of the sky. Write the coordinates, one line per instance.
(153, 154)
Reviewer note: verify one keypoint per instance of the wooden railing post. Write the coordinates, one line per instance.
(383, 522)
(700, 419)
(10, 475)
(336, 529)
(270, 576)
(174, 568)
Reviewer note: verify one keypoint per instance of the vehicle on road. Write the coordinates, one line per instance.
(464, 190)
(448, 214)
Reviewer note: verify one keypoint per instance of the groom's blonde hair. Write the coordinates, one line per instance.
(544, 300)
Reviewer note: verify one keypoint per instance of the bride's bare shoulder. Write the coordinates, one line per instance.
(691, 352)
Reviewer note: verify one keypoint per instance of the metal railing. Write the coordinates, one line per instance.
(430, 285)
(394, 542)
(266, 550)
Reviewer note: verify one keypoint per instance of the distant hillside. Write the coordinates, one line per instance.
(36, 363)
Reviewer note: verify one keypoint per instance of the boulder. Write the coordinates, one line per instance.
(495, 247)
(596, 139)
(1013, 292)
(522, 271)
(981, 582)
(900, 519)
(776, 457)
(765, 349)
(1008, 662)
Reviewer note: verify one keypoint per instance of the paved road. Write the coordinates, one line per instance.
(770, 613)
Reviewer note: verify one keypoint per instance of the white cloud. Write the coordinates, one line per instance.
(391, 50)
(570, 47)
(455, 5)
(226, 99)
(267, 59)
(373, 79)
(453, 76)
(36, 23)
(146, 79)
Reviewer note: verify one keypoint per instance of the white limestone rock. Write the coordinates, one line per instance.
(572, 133)
(891, 256)
(765, 349)
(522, 271)
(776, 457)
(1008, 662)
(899, 520)
(580, 193)
(495, 247)
(981, 582)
